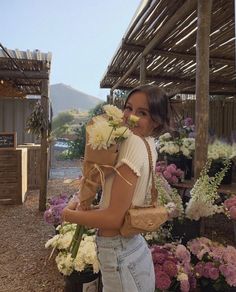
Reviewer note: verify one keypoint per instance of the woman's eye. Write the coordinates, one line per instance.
(128, 108)
(142, 113)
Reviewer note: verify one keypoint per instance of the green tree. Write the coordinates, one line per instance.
(62, 119)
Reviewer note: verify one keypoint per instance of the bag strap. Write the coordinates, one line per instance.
(154, 192)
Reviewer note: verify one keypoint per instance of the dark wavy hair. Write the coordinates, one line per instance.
(159, 106)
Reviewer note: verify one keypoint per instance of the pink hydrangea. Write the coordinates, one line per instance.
(229, 272)
(163, 281)
(199, 268)
(182, 253)
(230, 202)
(232, 212)
(170, 268)
(184, 286)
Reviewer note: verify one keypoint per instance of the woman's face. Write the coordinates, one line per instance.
(137, 105)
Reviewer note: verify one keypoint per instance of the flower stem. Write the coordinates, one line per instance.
(75, 243)
(110, 135)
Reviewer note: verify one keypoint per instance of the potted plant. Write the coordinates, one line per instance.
(178, 150)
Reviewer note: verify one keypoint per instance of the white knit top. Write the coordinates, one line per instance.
(133, 152)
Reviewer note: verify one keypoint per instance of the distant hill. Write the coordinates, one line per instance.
(64, 98)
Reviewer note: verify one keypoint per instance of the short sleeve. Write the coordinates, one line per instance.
(133, 153)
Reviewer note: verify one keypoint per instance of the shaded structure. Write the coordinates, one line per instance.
(25, 73)
(161, 47)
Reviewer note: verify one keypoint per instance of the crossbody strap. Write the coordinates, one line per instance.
(154, 192)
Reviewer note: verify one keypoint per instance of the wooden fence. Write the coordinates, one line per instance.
(222, 115)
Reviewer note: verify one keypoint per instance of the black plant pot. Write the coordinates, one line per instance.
(82, 281)
(182, 162)
(216, 166)
(185, 230)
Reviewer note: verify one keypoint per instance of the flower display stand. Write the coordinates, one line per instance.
(83, 282)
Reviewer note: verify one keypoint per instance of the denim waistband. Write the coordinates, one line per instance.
(118, 241)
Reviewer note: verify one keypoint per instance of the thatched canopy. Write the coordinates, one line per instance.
(22, 72)
(162, 37)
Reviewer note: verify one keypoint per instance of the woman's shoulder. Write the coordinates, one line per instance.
(133, 141)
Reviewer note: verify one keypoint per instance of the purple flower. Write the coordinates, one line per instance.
(188, 122)
(56, 204)
(229, 272)
(163, 281)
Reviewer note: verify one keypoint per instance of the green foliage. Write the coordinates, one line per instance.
(61, 119)
(36, 122)
(76, 147)
(97, 110)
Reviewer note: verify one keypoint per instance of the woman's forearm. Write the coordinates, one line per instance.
(104, 219)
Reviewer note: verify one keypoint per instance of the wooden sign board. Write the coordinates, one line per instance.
(7, 140)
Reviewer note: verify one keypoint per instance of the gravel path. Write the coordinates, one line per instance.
(23, 233)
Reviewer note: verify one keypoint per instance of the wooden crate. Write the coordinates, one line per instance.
(33, 168)
(13, 176)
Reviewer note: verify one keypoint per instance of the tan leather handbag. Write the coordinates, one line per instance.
(143, 219)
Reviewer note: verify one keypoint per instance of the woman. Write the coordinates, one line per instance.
(126, 263)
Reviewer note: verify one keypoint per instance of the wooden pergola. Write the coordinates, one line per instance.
(25, 73)
(185, 46)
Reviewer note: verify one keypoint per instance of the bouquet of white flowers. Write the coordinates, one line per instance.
(86, 258)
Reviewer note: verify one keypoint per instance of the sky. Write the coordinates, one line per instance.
(82, 36)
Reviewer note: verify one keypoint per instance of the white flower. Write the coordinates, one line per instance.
(100, 135)
(113, 112)
(52, 242)
(64, 263)
(221, 150)
(204, 194)
(182, 277)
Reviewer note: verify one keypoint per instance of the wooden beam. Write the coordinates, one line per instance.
(44, 148)
(173, 54)
(5, 74)
(185, 81)
(181, 13)
(202, 85)
(142, 71)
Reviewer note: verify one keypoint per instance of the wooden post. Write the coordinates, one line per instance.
(44, 147)
(202, 84)
(143, 71)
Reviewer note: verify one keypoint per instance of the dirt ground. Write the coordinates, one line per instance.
(24, 264)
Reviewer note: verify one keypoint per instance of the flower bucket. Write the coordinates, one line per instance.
(182, 162)
(216, 166)
(82, 282)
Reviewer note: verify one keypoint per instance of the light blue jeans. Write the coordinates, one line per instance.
(126, 264)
